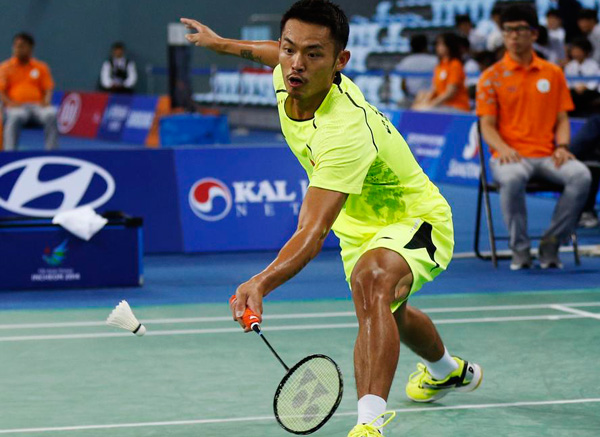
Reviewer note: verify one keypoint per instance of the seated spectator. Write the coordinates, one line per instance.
(554, 25)
(584, 94)
(550, 49)
(470, 66)
(522, 102)
(588, 24)
(448, 88)
(493, 32)
(118, 74)
(464, 25)
(419, 61)
(26, 90)
(586, 147)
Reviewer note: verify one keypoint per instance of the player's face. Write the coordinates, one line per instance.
(22, 49)
(518, 37)
(308, 59)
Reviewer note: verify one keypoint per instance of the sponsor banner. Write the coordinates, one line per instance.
(80, 114)
(117, 112)
(139, 120)
(238, 200)
(40, 185)
(50, 257)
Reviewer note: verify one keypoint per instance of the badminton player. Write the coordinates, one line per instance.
(394, 226)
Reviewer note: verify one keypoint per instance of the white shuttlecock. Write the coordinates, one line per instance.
(123, 317)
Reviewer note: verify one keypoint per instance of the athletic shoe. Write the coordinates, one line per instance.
(369, 429)
(422, 387)
(548, 254)
(521, 259)
(588, 220)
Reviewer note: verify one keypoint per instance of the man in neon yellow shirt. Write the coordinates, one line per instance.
(394, 226)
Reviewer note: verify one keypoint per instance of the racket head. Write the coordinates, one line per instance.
(308, 395)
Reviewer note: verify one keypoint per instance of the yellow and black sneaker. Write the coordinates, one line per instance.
(422, 387)
(369, 429)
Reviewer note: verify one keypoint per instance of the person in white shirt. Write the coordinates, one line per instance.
(584, 93)
(495, 39)
(118, 74)
(419, 61)
(464, 25)
(554, 25)
(588, 24)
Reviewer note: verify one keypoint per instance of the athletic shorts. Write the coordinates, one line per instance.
(426, 247)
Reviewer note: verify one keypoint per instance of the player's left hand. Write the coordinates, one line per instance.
(249, 294)
(561, 155)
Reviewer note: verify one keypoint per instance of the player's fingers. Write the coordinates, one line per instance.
(240, 306)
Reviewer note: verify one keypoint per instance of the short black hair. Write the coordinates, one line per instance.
(118, 45)
(462, 18)
(584, 44)
(553, 13)
(588, 14)
(497, 10)
(25, 37)
(453, 43)
(324, 13)
(419, 43)
(520, 12)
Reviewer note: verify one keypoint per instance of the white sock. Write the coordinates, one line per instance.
(443, 367)
(369, 407)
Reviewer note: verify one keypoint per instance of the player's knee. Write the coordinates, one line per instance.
(372, 287)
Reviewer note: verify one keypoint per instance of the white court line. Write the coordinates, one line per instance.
(576, 311)
(551, 317)
(298, 316)
(270, 418)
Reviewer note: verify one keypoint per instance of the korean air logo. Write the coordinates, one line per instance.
(210, 199)
(43, 186)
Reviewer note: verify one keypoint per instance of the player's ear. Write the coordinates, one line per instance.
(342, 60)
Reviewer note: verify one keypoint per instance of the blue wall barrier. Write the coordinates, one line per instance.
(215, 198)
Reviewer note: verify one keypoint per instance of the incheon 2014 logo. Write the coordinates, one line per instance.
(210, 199)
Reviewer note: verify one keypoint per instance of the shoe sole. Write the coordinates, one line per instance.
(472, 386)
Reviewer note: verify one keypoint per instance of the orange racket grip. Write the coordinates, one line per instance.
(250, 319)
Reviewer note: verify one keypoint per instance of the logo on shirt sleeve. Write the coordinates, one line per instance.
(543, 86)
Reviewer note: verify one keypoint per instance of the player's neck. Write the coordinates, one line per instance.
(304, 109)
(525, 58)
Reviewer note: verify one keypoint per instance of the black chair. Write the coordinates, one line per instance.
(483, 198)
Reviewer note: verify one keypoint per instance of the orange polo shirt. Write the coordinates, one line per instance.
(25, 83)
(451, 72)
(526, 102)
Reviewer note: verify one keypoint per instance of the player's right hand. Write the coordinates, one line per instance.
(248, 295)
(205, 36)
(508, 155)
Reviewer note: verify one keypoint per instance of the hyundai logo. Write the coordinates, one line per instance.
(73, 186)
(202, 196)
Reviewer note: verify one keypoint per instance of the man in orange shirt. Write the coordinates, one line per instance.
(25, 90)
(522, 102)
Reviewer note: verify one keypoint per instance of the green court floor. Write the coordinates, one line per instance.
(64, 373)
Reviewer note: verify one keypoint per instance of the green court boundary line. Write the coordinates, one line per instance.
(270, 418)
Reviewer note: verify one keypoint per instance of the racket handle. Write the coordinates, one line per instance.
(249, 318)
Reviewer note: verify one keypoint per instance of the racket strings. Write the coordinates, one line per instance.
(309, 395)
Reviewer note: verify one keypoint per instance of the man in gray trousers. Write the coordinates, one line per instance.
(25, 91)
(522, 102)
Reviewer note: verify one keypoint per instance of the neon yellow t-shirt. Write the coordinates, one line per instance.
(351, 147)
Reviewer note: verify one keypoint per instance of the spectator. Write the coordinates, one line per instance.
(586, 147)
(494, 34)
(550, 49)
(118, 74)
(584, 94)
(568, 10)
(522, 102)
(554, 25)
(26, 90)
(464, 25)
(419, 61)
(448, 88)
(470, 66)
(588, 24)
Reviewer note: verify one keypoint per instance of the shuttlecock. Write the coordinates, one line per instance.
(123, 317)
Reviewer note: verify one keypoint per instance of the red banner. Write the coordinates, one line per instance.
(80, 114)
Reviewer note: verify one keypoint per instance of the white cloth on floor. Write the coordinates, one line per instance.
(82, 222)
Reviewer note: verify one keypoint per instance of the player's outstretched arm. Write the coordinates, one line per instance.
(263, 52)
(319, 211)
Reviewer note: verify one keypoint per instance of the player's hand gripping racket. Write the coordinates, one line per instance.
(309, 393)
